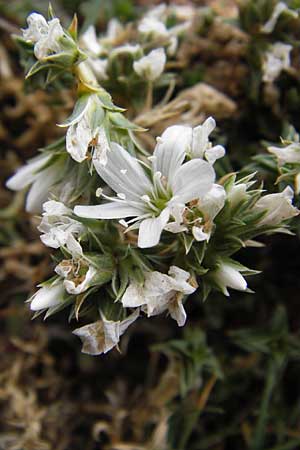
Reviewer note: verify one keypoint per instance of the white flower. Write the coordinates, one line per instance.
(85, 132)
(289, 154)
(114, 29)
(59, 229)
(199, 217)
(99, 67)
(152, 65)
(45, 35)
(154, 27)
(160, 292)
(152, 201)
(89, 41)
(276, 60)
(210, 206)
(47, 297)
(201, 147)
(78, 276)
(101, 336)
(41, 180)
(269, 26)
(228, 275)
(278, 207)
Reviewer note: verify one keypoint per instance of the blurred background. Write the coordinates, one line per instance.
(233, 372)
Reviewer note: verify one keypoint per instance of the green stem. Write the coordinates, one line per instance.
(260, 429)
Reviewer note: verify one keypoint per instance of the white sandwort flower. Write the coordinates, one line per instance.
(276, 59)
(228, 275)
(83, 133)
(269, 26)
(198, 218)
(90, 42)
(45, 35)
(152, 65)
(288, 154)
(160, 292)
(78, 277)
(47, 297)
(59, 229)
(152, 26)
(103, 335)
(151, 202)
(41, 180)
(278, 207)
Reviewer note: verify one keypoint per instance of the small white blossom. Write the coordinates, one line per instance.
(45, 35)
(228, 275)
(269, 26)
(41, 180)
(201, 147)
(152, 202)
(278, 207)
(276, 59)
(47, 297)
(89, 41)
(289, 154)
(82, 134)
(159, 293)
(59, 229)
(153, 27)
(103, 335)
(152, 65)
(78, 277)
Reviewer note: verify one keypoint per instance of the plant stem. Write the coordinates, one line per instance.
(260, 429)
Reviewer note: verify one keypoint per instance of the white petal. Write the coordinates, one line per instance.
(152, 65)
(200, 137)
(133, 183)
(151, 229)
(77, 139)
(177, 312)
(37, 27)
(133, 296)
(214, 153)
(90, 42)
(288, 154)
(192, 180)
(199, 234)
(101, 336)
(171, 149)
(39, 191)
(28, 173)
(47, 296)
(76, 289)
(54, 208)
(112, 210)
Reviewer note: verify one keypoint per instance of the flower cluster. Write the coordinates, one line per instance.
(136, 233)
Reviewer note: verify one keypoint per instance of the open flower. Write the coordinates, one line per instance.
(86, 130)
(78, 275)
(47, 297)
(41, 180)
(59, 229)
(198, 217)
(45, 35)
(152, 65)
(151, 201)
(160, 292)
(276, 59)
(103, 335)
(278, 207)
